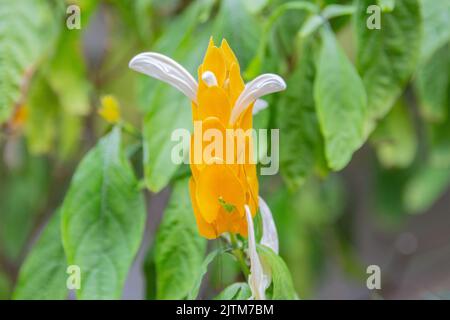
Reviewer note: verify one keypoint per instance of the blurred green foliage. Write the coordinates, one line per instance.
(348, 86)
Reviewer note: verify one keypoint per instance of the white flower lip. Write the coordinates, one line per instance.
(209, 78)
(256, 280)
(163, 68)
(167, 70)
(269, 234)
(259, 105)
(260, 86)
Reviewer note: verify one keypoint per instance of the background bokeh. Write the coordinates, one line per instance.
(390, 206)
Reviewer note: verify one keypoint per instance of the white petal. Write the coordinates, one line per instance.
(259, 105)
(269, 232)
(258, 87)
(167, 70)
(210, 78)
(256, 280)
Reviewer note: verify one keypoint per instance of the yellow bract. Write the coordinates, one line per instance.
(219, 191)
(109, 110)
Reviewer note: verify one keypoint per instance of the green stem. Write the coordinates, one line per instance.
(130, 129)
(276, 14)
(239, 254)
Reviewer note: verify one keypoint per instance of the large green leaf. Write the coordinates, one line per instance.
(388, 56)
(43, 274)
(202, 272)
(103, 218)
(432, 84)
(27, 29)
(236, 291)
(395, 139)
(341, 103)
(436, 26)
(179, 248)
(302, 143)
(282, 286)
(167, 109)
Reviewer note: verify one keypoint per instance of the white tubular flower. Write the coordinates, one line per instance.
(163, 68)
(269, 234)
(259, 105)
(260, 86)
(257, 281)
(167, 70)
(209, 78)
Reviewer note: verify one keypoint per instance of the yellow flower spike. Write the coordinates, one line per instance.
(214, 102)
(214, 62)
(219, 191)
(110, 110)
(207, 230)
(220, 188)
(229, 55)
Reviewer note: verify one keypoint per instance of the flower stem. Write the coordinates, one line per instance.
(254, 68)
(239, 254)
(130, 129)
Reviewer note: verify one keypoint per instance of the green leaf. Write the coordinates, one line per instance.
(283, 288)
(166, 108)
(18, 206)
(425, 187)
(395, 138)
(68, 76)
(432, 84)
(239, 27)
(388, 193)
(302, 146)
(27, 30)
(386, 5)
(236, 291)
(43, 274)
(40, 127)
(387, 57)
(341, 103)
(255, 6)
(319, 202)
(170, 111)
(103, 219)
(69, 132)
(193, 294)
(179, 248)
(436, 26)
(439, 143)
(150, 274)
(331, 11)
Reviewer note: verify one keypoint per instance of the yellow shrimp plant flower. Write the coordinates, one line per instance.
(224, 193)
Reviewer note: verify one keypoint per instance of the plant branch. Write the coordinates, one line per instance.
(239, 254)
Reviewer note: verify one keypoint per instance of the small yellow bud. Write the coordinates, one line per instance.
(110, 109)
(20, 116)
